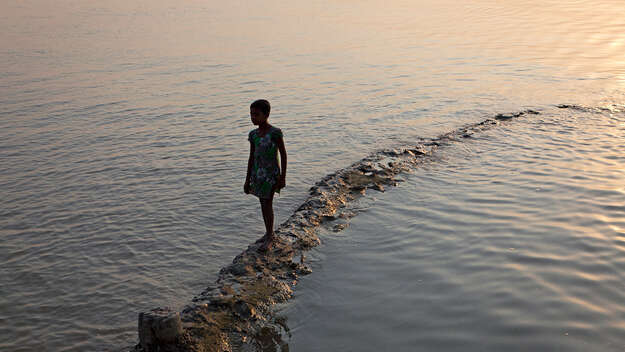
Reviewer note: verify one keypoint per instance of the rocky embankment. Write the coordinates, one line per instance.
(235, 312)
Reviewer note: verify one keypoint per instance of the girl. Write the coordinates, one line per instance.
(264, 176)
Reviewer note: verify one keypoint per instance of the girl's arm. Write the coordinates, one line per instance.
(282, 149)
(250, 164)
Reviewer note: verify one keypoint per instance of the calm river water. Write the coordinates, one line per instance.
(123, 150)
(512, 240)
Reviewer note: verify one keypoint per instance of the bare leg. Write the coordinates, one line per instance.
(266, 206)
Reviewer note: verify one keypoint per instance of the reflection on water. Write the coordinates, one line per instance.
(510, 240)
(123, 128)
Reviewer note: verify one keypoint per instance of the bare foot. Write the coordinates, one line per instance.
(267, 244)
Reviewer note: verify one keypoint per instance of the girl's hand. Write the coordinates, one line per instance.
(246, 187)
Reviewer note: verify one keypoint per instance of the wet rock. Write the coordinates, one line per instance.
(313, 203)
(239, 269)
(501, 117)
(221, 300)
(397, 152)
(365, 168)
(303, 269)
(487, 122)
(269, 339)
(158, 328)
(244, 310)
(419, 151)
(378, 187)
(314, 191)
(307, 243)
(339, 227)
(227, 290)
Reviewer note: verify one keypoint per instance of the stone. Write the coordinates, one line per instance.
(244, 310)
(158, 327)
(339, 227)
(503, 117)
(418, 151)
(378, 187)
(239, 269)
(303, 269)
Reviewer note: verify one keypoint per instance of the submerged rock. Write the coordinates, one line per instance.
(516, 114)
(159, 330)
(339, 227)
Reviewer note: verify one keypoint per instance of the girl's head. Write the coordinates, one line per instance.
(259, 111)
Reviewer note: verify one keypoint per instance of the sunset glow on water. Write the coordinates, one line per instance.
(123, 148)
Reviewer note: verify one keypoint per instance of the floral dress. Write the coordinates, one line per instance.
(265, 172)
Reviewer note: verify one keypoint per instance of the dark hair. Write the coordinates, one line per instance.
(262, 105)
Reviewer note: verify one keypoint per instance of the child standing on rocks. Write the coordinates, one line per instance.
(264, 176)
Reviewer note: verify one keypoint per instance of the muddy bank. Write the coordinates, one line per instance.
(235, 312)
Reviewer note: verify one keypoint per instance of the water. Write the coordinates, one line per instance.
(524, 252)
(123, 133)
